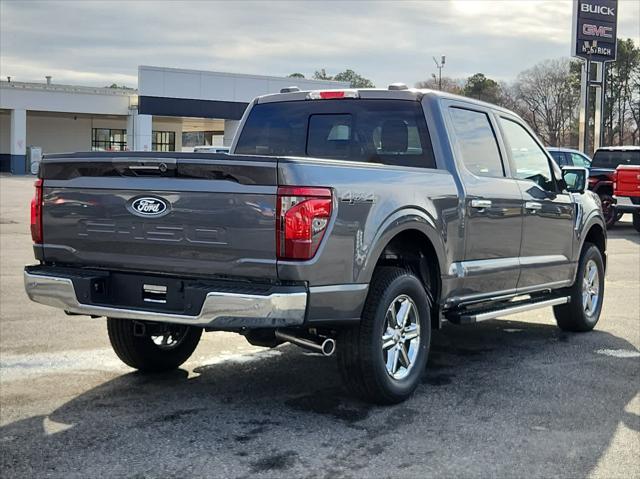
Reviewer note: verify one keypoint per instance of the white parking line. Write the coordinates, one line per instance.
(619, 353)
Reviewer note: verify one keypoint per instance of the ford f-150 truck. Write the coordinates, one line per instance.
(355, 220)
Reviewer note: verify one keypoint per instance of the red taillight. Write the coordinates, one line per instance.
(36, 213)
(302, 218)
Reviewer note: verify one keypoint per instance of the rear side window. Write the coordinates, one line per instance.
(477, 142)
(391, 132)
(614, 158)
(559, 157)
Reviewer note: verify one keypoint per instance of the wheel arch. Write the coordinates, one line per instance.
(411, 241)
(596, 234)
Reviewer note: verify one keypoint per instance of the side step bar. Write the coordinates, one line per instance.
(483, 315)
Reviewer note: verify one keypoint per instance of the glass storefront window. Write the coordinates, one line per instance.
(108, 139)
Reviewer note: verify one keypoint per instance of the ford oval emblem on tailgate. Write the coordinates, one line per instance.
(148, 206)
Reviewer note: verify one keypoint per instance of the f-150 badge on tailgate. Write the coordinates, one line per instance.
(148, 206)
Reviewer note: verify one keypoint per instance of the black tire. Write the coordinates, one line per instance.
(636, 221)
(573, 316)
(608, 209)
(360, 354)
(133, 342)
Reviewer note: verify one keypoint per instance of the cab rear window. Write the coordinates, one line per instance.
(380, 131)
(614, 158)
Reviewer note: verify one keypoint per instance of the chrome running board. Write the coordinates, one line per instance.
(497, 312)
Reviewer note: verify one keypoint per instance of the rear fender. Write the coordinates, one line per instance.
(403, 220)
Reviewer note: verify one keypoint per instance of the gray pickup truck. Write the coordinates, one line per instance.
(353, 221)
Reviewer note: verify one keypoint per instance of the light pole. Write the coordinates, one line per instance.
(439, 66)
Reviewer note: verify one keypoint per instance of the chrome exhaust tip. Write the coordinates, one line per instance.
(326, 346)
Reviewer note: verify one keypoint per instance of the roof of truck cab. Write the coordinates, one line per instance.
(564, 150)
(619, 148)
(415, 94)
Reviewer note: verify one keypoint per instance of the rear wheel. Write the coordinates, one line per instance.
(587, 293)
(382, 359)
(608, 209)
(636, 221)
(152, 347)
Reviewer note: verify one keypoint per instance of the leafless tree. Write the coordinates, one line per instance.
(547, 97)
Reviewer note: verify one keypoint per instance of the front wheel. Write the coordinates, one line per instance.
(587, 293)
(636, 221)
(382, 359)
(152, 347)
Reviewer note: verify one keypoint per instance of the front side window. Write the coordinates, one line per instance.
(392, 132)
(529, 159)
(477, 142)
(579, 160)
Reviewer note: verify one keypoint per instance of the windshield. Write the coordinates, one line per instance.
(384, 131)
(614, 158)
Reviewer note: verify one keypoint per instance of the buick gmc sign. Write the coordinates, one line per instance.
(594, 29)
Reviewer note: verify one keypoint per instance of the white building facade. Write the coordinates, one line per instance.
(172, 110)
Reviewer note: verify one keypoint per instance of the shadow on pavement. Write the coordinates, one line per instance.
(502, 398)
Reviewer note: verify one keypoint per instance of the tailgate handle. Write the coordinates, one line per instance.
(154, 293)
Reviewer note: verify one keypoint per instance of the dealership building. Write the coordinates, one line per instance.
(172, 110)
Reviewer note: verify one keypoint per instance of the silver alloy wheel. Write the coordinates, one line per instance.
(401, 337)
(590, 288)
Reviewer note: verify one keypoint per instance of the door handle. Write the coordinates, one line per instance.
(481, 204)
(533, 205)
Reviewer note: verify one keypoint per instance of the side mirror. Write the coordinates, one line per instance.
(575, 178)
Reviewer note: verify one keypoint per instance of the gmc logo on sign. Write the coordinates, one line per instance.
(597, 31)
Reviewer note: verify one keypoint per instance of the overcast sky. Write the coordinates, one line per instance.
(101, 42)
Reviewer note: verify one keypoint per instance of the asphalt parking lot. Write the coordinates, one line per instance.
(504, 398)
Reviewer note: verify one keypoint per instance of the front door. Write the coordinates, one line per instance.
(549, 214)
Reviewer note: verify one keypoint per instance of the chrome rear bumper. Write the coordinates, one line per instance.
(220, 310)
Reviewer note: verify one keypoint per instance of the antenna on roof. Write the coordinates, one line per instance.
(289, 89)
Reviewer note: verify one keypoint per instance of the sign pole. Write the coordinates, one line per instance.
(581, 112)
(598, 114)
(585, 146)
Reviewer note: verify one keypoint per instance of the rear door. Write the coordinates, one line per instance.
(549, 214)
(493, 203)
(192, 214)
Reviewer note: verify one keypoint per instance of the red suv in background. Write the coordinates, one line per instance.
(602, 177)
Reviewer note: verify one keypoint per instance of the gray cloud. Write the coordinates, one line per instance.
(95, 42)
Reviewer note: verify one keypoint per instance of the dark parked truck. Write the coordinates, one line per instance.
(353, 220)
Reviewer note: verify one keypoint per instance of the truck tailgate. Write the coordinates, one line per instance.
(188, 214)
(627, 181)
